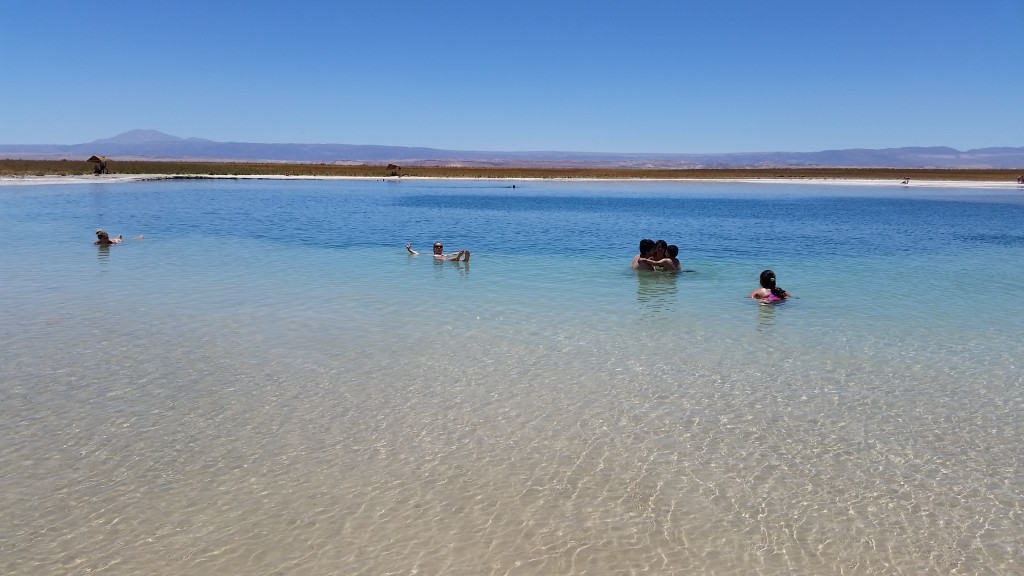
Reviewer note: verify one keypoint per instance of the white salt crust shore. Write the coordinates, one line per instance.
(119, 178)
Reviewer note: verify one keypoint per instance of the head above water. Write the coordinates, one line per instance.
(646, 246)
(672, 251)
(438, 246)
(768, 281)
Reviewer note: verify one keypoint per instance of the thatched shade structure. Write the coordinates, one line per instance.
(394, 170)
(100, 164)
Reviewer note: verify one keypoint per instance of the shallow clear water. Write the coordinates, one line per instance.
(269, 384)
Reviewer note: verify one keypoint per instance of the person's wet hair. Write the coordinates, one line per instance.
(768, 281)
(646, 245)
(672, 250)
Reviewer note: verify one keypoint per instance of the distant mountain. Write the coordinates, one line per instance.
(136, 137)
(155, 145)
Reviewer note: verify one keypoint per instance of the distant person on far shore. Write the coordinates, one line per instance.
(460, 256)
(769, 292)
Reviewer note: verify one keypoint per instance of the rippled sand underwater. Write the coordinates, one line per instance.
(268, 409)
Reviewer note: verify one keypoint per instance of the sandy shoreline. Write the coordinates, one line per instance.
(124, 178)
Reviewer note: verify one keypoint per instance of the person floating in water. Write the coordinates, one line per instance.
(769, 292)
(460, 256)
(104, 239)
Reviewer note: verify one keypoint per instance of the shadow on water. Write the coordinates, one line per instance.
(766, 316)
(441, 267)
(657, 290)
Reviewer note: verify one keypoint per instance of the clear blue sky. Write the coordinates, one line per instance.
(603, 76)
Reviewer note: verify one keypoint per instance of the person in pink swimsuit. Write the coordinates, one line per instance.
(769, 292)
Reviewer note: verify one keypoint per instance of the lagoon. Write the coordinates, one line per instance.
(269, 384)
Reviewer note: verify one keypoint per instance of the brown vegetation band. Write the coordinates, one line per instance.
(199, 169)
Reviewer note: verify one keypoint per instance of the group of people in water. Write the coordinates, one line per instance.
(660, 256)
(657, 255)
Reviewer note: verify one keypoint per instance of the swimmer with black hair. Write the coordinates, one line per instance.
(646, 251)
(769, 292)
(104, 239)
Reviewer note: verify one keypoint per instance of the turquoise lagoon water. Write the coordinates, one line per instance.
(269, 384)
